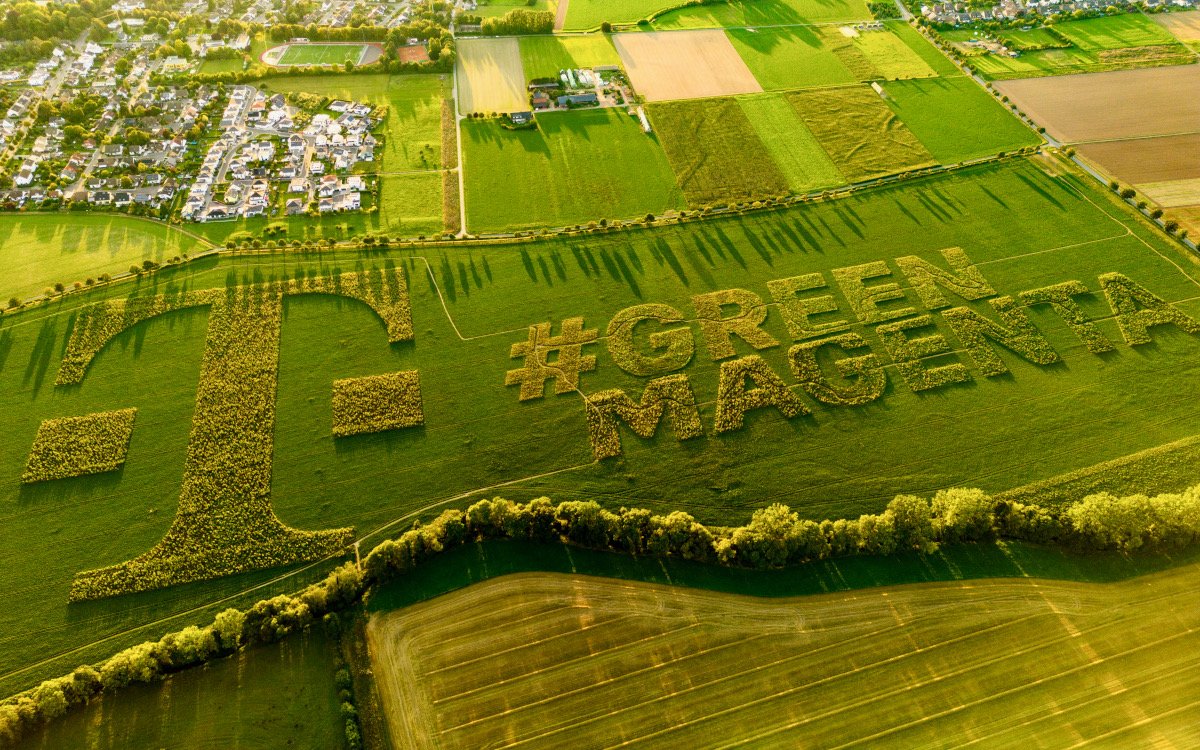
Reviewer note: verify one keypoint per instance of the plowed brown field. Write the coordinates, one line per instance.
(1147, 159)
(1105, 106)
(684, 65)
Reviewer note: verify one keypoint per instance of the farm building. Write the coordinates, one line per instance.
(578, 100)
(521, 118)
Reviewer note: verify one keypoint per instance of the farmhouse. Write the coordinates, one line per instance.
(578, 100)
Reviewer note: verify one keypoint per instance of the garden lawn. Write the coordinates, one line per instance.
(545, 56)
(575, 167)
(955, 119)
(1025, 223)
(862, 136)
(281, 695)
(715, 152)
(803, 162)
(40, 250)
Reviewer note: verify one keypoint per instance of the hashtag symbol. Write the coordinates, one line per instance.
(564, 370)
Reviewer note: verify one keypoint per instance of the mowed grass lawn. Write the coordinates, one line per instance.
(716, 152)
(955, 119)
(1024, 227)
(321, 54)
(576, 167)
(40, 250)
(545, 56)
(281, 695)
(995, 662)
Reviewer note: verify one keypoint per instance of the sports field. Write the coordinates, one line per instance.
(281, 695)
(40, 250)
(576, 167)
(684, 65)
(532, 660)
(322, 54)
(490, 76)
(1025, 224)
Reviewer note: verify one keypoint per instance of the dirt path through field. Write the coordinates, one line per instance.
(560, 16)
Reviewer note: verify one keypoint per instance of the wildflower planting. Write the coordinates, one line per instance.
(77, 446)
(376, 404)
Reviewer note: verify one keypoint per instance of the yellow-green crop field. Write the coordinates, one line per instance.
(542, 660)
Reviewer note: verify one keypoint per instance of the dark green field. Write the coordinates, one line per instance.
(281, 695)
(1023, 223)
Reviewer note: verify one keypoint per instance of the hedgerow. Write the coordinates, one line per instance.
(869, 379)
(377, 403)
(734, 399)
(225, 524)
(774, 537)
(671, 395)
(1061, 299)
(907, 353)
(77, 446)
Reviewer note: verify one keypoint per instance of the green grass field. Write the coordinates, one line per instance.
(790, 57)
(576, 167)
(715, 151)
(1025, 224)
(1118, 42)
(281, 695)
(583, 15)
(322, 54)
(795, 150)
(862, 136)
(955, 119)
(40, 250)
(763, 13)
(1115, 32)
(915, 666)
(493, 8)
(222, 66)
(411, 205)
(545, 56)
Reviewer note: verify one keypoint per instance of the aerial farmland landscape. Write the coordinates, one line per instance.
(599, 373)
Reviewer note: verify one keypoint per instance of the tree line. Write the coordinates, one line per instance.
(774, 537)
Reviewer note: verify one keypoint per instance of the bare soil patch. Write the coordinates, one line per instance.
(1147, 159)
(1121, 104)
(1173, 193)
(1183, 26)
(684, 65)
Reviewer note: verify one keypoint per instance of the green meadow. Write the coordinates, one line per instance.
(40, 250)
(576, 167)
(545, 56)
(1023, 223)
